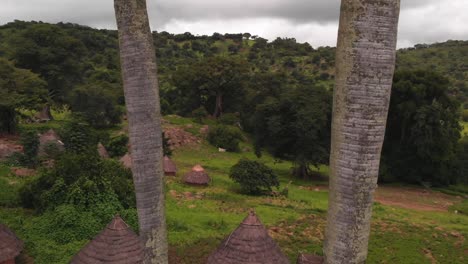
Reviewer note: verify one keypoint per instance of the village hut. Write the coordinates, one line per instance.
(102, 151)
(126, 161)
(170, 168)
(117, 243)
(197, 176)
(248, 244)
(10, 245)
(49, 138)
(309, 259)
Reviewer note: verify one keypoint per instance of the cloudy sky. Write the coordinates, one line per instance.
(314, 21)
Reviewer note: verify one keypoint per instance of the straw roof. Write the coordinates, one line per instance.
(248, 244)
(309, 259)
(117, 243)
(170, 168)
(10, 245)
(126, 161)
(197, 176)
(102, 151)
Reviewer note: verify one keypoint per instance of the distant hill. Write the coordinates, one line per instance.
(67, 55)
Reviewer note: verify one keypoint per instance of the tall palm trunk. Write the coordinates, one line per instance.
(365, 62)
(138, 64)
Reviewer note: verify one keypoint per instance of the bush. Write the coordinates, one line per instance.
(30, 142)
(228, 119)
(253, 177)
(465, 115)
(199, 113)
(117, 146)
(78, 137)
(226, 137)
(81, 180)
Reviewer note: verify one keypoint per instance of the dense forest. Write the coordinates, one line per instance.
(256, 108)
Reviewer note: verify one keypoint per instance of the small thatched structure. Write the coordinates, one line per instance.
(117, 243)
(248, 244)
(102, 151)
(126, 161)
(197, 176)
(49, 138)
(10, 245)
(170, 168)
(309, 259)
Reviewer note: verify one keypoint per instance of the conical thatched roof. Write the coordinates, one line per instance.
(102, 151)
(170, 168)
(309, 259)
(117, 244)
(197, 176)
(248, 244)
(126, 161)
(10, 245)
(45, 114)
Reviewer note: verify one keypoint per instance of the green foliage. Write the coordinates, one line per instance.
(82, 180)
(226, 137)
(98, 104)
(30, 142)
(78, 136)
(167, 151)
(296, 126)
(465, 115)
(229, 119)
(18, 89)
(199, 113)
(253, 177)
(117, 146)
(423, 129)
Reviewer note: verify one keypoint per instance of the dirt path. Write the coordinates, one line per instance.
(415, 198)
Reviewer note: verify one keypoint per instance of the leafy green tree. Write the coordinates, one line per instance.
(253, 177)
(97, 103)
(296, 126)
(19, 88)
(226, 137)
(423, 129)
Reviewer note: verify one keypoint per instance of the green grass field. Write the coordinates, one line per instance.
(199, 218)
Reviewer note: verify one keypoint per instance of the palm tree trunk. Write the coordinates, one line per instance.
(140, 81)
(365, 62)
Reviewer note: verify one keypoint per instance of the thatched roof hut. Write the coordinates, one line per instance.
(170, 168)
(197, 176)
(309, 259)
(117, 243)
(45, 115)
(126, 161)
(248, 244)
(47, 138)
(10, 245)
(102, 151)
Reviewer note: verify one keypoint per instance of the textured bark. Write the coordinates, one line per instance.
(365, 62)
(139, 73)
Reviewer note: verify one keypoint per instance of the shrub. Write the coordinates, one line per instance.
(465, 115)
(81, 180)
(199, 113)
(30, 142)
(117, 146)
(78, 137)
(253, 177)
(228, 119)
(226, 137)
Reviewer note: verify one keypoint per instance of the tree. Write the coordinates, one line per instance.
(143, 110)
(19, 88)
(295, 126)
(97, 103)
(423, 129)
(365, 62)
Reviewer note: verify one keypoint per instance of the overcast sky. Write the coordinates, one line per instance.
(314, 21)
